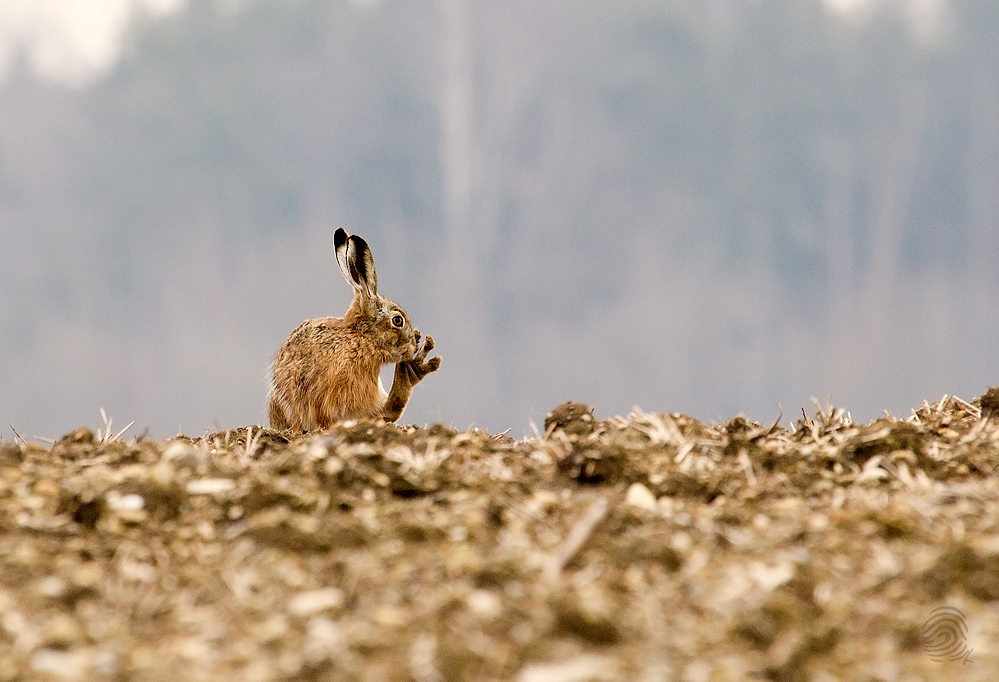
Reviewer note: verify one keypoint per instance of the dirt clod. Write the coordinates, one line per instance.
(990, 402)
(575, 419)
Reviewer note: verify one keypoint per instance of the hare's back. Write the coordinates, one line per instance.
(314, 380)
(320, 336)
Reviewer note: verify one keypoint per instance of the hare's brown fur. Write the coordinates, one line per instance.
(328, 368)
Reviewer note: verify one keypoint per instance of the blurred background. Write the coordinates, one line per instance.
(706, 206)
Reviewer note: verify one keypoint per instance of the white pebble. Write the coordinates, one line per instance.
(126, 503)
(314, 601)
(585, 668)
(210, 486)
(59, 663)
(484, 604)
(640, 496)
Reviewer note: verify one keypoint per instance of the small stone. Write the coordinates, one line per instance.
(484, 604)
(640, 496)
(584, 668)
(210, 486)
(317, 449)
(104, 662)
(323, 640)
(314, 601)
(176, 449)
(129, 508)
(52, 586)
(59, 663)
(131, 502)
(183, 454)
(163, 473)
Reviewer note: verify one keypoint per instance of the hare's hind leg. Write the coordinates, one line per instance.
(275, 413)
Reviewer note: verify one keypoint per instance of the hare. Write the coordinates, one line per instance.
(328, 368)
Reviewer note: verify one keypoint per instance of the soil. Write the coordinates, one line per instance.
(647, 547)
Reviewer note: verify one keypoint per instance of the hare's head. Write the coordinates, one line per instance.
(384, 322)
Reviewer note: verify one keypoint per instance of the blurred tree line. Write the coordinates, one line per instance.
(710, 206)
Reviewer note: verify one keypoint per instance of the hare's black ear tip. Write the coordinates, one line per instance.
(359, 243)
(339, 238)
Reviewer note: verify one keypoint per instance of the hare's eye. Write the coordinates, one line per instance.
(397, 321)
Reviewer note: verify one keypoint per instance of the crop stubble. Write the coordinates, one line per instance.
(646, 547)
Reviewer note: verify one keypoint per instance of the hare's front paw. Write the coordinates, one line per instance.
(414, 370)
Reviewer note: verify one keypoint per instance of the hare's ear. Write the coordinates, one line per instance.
(356, 263)
(340, 246)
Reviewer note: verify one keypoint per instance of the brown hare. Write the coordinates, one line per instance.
(328, 368)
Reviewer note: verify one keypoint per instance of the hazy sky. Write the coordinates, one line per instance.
(73, 40)
(68, 40)
(740, 360)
